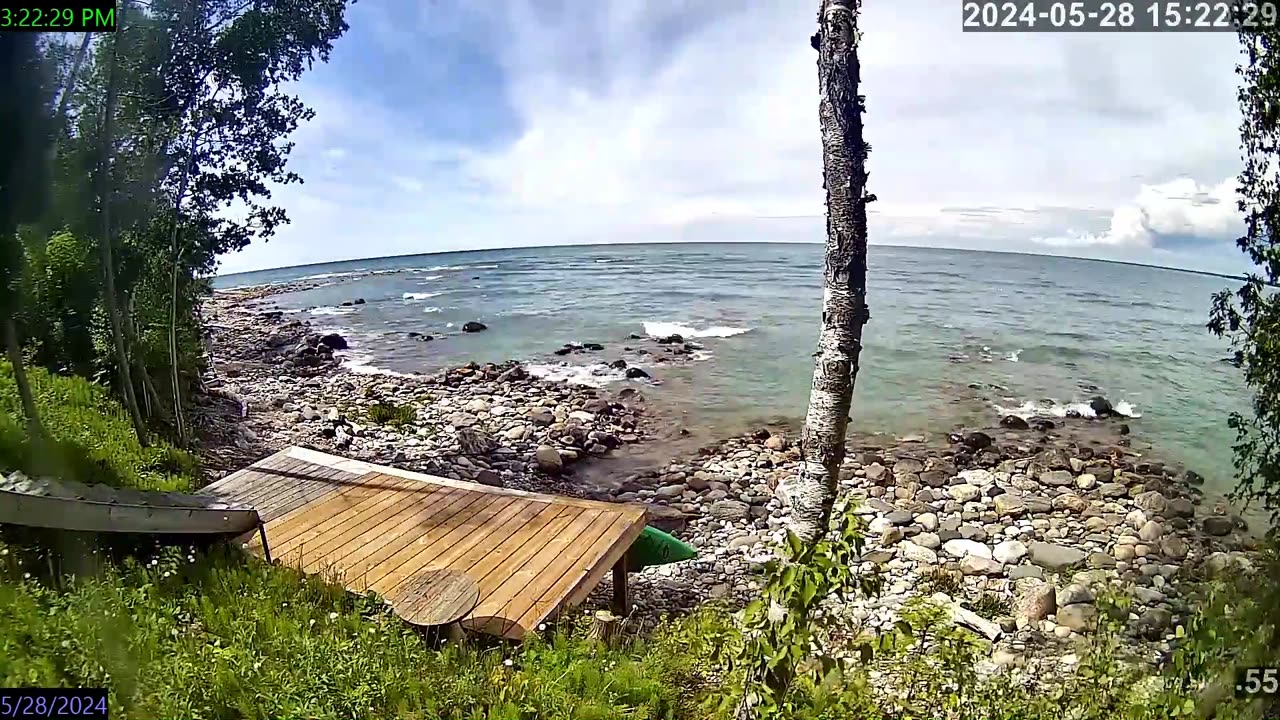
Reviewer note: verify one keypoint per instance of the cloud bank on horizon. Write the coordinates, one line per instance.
(451, 125)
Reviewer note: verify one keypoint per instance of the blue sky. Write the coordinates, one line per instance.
(452, 124)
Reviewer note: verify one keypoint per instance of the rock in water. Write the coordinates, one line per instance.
(1013, 422)
(977, 440)
(473, 326)
(1102, 407)
(333, 341)
(635, 373)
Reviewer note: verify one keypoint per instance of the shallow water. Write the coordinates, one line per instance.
(956, 337)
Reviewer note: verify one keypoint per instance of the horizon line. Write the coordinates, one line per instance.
(1240, 277)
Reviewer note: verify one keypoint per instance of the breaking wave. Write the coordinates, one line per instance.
(664, 329)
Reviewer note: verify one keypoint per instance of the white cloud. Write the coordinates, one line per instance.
(1175, 212)
(670, 120)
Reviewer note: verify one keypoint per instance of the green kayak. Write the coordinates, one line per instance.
(655, 547)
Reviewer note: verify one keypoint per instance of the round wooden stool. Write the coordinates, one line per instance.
(434, 598)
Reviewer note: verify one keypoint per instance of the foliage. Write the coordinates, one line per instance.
(782, 658)
(92, 440)
(389, 413)
(217, 635)
(1250, 316)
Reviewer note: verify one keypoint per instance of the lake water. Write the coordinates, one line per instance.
(956, 337)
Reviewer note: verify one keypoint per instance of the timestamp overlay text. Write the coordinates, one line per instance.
(1145, 16)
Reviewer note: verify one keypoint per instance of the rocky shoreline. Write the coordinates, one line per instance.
(1018, 528)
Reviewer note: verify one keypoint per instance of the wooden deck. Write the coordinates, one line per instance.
(384, 529)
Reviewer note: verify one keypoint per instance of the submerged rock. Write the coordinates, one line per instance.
(473, 326)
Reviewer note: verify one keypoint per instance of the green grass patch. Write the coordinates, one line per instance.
(93, 440)
(386, 413)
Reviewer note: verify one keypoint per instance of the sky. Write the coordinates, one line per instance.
(453, 124)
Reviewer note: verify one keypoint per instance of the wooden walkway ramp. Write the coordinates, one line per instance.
(389, 530)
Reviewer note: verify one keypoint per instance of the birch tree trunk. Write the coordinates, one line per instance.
(844, 295)
(105, 243)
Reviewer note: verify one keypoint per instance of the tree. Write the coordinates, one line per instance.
(1250, 316)
(844, 297)
(23, 173)
(106, 239)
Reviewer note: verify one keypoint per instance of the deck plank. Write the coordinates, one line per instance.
(289, 526)
(512, 598)
(351, 507)
(446, 506)
(394, 532)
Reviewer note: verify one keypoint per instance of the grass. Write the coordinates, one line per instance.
(93, 441)
(387, 413)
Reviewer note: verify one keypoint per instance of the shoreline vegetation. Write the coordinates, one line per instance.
(1033, 570)
(1030, 556)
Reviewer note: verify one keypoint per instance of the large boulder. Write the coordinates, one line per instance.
(472, 326)
(1102, 407)
(549, 460)
(1033, 600)
(334, 341)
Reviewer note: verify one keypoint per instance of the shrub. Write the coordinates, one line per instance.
(389, 413)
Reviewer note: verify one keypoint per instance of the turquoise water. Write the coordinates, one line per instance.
(956, 337)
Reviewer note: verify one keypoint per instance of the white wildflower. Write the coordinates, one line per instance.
(507, 662)
(333, 616)
(542, 626)
(311, 623)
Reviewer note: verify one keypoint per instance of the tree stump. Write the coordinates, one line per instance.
(606, 628)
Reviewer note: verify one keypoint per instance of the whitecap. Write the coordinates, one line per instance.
(1126, 408)
(431, 309)
(596, 375)
(327, 276)
(363, 365)
(332, 310)
(665, 329)
(1013, 356)
(1047, 408)
(419, 296)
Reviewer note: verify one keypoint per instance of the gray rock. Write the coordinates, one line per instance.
(1086, 481)
(975, 565)
(1034, 600)
(1009, 552)
(1010, 505)
(1055, 557)
(730, 510)
(1101, 561)
(934, 478)
(1154, 622)
(1174, 547)
(1057, 478)
(964, 492)
(1082, 617)
(961, 547)
(907, 465)
(900, 517)
(549, 460)
(1075, 593)
(541, 416)
(1151, 531)
(1179, 508)
(1113, 490)
(670, 491)
(1070, 502)
(891, 536)
(875, 471)
(1151, 502)
(928, 521)
(912, 551)
(1218, 525)
(927, 540)
(1021, 572)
